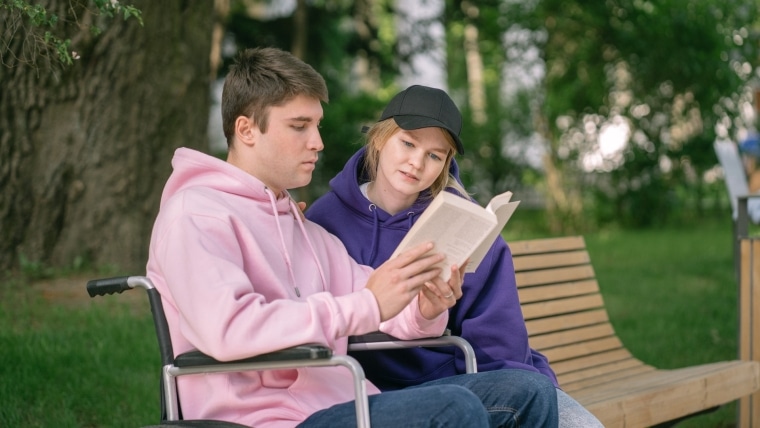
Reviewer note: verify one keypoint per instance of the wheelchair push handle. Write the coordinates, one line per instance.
(101, 287)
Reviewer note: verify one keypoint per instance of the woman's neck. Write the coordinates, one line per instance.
(384, 199)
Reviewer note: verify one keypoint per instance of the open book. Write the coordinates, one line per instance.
(460, 228)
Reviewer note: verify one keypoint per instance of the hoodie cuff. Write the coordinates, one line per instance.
(410, 324)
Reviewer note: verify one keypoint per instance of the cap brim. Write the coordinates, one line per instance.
(410, 122)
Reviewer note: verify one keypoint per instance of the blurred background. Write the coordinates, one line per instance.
(600, 116)
(595, 114)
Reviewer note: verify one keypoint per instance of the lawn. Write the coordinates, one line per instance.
(71, 361)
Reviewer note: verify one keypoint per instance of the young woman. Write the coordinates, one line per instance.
(384, 187)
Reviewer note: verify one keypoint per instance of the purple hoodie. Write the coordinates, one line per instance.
(488, 315)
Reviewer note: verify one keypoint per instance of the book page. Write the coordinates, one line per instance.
(498, 200)
(456, 225)
(503, 209)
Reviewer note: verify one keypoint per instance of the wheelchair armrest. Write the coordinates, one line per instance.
(379, 341)
(379, 336)
(301, 352)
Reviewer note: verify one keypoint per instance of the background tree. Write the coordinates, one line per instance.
(495, 121)
(86, 148)
(671, 70)
(353, 47)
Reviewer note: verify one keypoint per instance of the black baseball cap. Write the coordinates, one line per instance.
(422, 107)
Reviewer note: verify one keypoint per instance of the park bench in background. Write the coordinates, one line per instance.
(745, 207)
(568, 322)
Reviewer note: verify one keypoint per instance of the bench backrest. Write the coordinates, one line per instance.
(565, 314)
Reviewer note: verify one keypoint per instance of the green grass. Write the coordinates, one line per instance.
(672, 297)
(71, 361)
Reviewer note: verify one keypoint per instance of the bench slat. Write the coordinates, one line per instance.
(547, 245)
(542, 261)
(582, 349)
(603, 373)
(565, 337)
(553, 276)
(540, 326)
(562, 306)
(549, 292)
(562, 367)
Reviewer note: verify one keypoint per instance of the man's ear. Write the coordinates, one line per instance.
(245, 130)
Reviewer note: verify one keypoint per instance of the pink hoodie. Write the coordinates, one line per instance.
(240, 274)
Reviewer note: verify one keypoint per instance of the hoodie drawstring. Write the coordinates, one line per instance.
(297, 214)
(283, 247)
(375, 232)
(409, 217)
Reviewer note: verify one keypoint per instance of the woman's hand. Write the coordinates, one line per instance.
(438, 296)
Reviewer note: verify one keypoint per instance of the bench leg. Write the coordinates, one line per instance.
(749, 324)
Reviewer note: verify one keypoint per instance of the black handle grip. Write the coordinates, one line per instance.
(101, 287)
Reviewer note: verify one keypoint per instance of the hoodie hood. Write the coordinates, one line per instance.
(195, 169)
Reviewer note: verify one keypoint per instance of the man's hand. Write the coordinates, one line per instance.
(398, 280)
(438, 296)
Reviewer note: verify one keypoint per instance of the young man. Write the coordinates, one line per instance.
(241, 274)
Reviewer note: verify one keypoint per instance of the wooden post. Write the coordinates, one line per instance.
(749, 323)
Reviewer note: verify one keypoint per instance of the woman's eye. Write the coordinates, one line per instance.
(435, 157)
(407, 144)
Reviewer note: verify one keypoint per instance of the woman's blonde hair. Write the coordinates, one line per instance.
(379, 134)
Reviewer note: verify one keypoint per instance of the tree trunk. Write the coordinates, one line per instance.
(475, 84)
(84, 152)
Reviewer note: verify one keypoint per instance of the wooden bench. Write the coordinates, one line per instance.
(567, 321)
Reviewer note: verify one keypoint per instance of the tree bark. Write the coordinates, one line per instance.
(85, 151)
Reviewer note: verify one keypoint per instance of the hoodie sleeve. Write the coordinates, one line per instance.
(410, 324)
(490, 317)
(221, 311)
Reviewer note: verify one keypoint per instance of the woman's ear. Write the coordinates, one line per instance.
(245, 130)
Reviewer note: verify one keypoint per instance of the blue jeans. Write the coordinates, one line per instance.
(499, 398)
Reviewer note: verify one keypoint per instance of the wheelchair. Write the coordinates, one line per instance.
(306, 355)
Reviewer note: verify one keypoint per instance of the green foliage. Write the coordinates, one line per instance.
(493, 162)
(333, 45)
(48, 32)
(342, 123)
(673, 70)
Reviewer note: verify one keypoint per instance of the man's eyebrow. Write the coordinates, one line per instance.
(303, 119)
